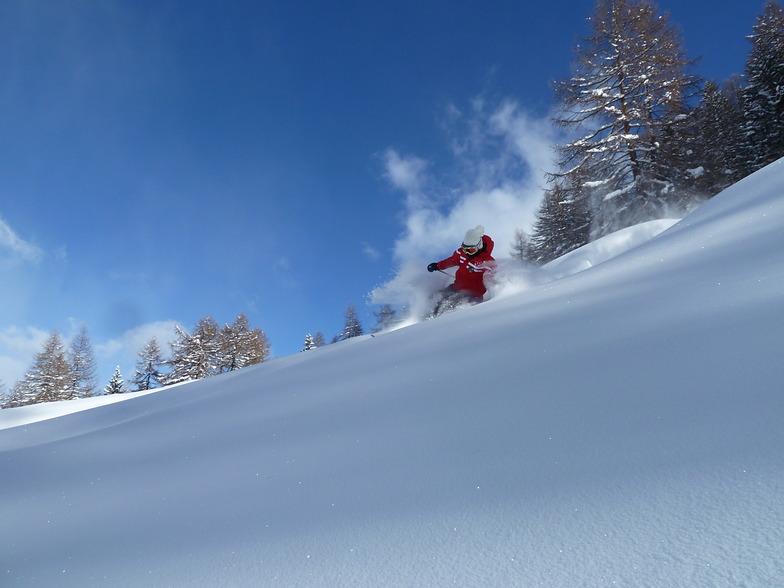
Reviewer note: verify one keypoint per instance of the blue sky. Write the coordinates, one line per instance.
(164, 161)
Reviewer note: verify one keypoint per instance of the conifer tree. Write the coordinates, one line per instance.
(195, 356)
(83, 366)
(562, 224)
(628, 93)
(763, 96)
(352, 327)
(719, 119)
(309, 344)
(386, 317)
(241, 346)
(148, 373)
(49, 378)
(115, 385)
(211, 350)
(520, 247)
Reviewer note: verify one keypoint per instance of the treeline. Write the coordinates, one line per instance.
(57, 373)
(386, 317)
(66, 372)
(651, 139)
(61, 372)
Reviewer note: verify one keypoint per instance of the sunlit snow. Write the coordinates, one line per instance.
(614, 418)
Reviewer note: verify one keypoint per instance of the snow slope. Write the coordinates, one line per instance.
(619, 426)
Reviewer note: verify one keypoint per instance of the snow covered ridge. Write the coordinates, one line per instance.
(605, 248)
(618, 426)
(581, 259)
(33, 413)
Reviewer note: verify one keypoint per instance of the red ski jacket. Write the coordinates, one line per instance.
(471, 268)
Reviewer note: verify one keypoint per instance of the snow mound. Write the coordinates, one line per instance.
(605, 248)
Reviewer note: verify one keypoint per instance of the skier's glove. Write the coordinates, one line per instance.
(432, 267)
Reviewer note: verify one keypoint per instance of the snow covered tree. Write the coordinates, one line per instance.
(148, 374)
(352, 327)
(211, 350)
(318, 339)
(520, 247)
(719, 120)
(309, 344)
(386, 317)
(4, 400)
(763, 96)
(628, 94)
(562, 224)
(195, 356)
(49, 378)
(241, 346)
(83, 367)
(115, 385)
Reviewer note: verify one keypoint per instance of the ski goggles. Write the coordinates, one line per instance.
(469, 249)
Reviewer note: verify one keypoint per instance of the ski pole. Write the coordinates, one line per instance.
(447, 273)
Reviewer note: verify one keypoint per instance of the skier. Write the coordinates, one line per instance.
(473, 259)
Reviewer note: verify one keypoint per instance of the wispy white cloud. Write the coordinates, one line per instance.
(61, 254)
(18, 346)
(124, 349)
(18, 248)
(370, 252)
(530, 139)
(406, 173)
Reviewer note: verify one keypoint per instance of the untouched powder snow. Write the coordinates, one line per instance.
(619, 426)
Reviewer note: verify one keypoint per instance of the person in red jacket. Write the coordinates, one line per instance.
(473, 260)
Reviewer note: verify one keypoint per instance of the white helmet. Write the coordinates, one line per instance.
(473, 237)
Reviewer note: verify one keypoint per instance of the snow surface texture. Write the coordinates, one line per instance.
(619, 426)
